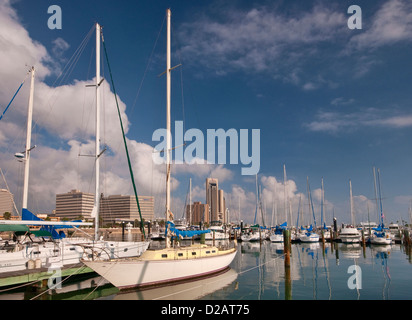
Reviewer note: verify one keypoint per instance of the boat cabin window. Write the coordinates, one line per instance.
(207, 252)
(164, 255)
(193, 253)
(180, 254)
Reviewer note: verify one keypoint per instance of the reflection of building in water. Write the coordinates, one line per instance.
(351, 250)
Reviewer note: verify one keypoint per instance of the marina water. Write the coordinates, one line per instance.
(334, 271)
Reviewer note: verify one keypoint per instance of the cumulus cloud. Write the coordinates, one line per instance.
(391, 24)
(64, 128)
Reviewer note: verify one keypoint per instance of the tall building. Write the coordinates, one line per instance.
(6, 202)
(74, 204)
(199, 213)
(222, 207)
(216, 200)
(212, 198)
(125, 207)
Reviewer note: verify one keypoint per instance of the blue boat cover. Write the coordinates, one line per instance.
(184, 233)
(27, 215)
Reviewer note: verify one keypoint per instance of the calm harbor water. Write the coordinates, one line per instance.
(258, 273)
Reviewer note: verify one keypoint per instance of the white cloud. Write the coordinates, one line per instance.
(260, 39)
(59, 47)
(333, 122)
(391, 24)
(341, 101)
(64, 116)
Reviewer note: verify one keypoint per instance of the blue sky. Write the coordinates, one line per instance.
(329, 101)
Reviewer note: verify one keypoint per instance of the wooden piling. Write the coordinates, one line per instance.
(286, 250)
(286, 247)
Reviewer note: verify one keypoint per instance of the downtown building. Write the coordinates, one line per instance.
(76, 204)
(119, 207)
(216, 201)
(6, 202)
(198, 213)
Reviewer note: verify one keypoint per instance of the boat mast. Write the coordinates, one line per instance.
(28, 142)
(168, 125)
(190, 201)
(376, 194)
(97, 154)
(322, 200)
(380, 197)
(284, 189)
(351, 204)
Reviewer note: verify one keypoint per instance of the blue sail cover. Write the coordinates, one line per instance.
(279, 229)
(28, 216)
(184, 233)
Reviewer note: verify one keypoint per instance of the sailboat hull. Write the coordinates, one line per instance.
(383, 239)
(177, 265)
(276, 237)
(66, 252)
(308, 238)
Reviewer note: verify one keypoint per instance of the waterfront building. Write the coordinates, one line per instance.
(216, 201)
(125, 207)
(212, 197)
(74, 204)
(6, 202)
(199, 213)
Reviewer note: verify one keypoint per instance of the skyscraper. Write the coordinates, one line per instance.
(212, 198)
(216, 200)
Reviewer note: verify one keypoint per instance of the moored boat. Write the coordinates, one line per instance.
(170, 264)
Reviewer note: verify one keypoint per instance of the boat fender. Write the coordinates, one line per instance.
(30, 264)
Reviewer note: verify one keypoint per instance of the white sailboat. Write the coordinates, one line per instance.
(380, 234)
(217, 232)
(277, 234)
(170, 264)
(309, 235)
(61, 251)
(350, 234)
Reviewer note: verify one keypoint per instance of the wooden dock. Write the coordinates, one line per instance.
(33, 276)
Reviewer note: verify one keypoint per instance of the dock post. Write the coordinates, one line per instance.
(363, 238)
(335, 228)
(286, 246)
(286, 250)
